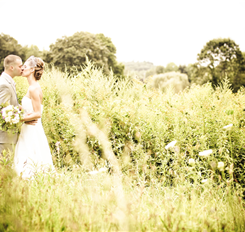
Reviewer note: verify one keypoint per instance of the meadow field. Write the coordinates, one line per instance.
(131, 158)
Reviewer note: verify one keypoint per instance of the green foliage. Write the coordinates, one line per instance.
(171, 67)
(8, 45)
(222, 58)
(78, 201)
(177, 81)
(141, 121)
(160, 69)
(117, 68)
(32, 50)
(183, 69)
(71, 52)
(138, 123)
(151, 72)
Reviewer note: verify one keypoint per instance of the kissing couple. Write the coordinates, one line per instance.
(32, 153)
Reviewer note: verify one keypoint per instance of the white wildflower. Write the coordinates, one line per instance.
(102, 169)
(191, 162)
(205, 153)
(171, 144)
(204, 180)
(221, 166)
(228, 126)
(57, 143)
(93, 172)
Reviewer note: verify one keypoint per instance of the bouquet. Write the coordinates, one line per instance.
(10, 118)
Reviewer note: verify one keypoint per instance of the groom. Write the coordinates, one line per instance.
(12, 67)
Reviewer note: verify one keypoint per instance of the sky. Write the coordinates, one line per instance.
(157, 31)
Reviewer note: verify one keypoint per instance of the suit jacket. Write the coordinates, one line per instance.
(7, 94)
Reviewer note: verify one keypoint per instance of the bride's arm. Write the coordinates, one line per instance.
(36, 103)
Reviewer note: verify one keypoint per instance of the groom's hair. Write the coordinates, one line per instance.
(10, 60)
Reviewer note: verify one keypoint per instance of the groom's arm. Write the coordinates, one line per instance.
(33, 122)
(5, 94)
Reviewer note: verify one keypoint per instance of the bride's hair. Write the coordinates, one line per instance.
(38, 72)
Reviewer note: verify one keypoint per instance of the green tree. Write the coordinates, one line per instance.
(222, 58)
(183, 69)
(160, 69)
(9, 45)
(32, 50)
(71, 52)
(171, 67)
(243, 54)
(117, 68)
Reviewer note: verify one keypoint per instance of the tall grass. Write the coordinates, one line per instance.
(78, 201)
(93, 122)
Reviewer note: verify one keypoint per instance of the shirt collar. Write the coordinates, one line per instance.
(9, 78)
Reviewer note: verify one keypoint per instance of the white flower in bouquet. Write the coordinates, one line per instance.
(8, 119)
(10, 113)
(4, 113)
(9, 107)
(15, 120)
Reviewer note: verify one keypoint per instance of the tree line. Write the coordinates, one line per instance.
(219, 58)
(69, 53)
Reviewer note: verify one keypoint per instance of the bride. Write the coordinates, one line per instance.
(32, 153)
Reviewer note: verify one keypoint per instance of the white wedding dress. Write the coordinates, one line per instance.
(32, 153)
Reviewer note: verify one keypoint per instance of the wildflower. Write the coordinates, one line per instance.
(171, 144)
(137, 135)
(205, 153)
(191, 162)
(230, 125)
(204, 180)
(231, 169)
(57, 144)
(102, 169)
(221, 166)
(93, 172)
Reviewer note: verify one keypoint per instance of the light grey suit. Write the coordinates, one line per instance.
(7, 94)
